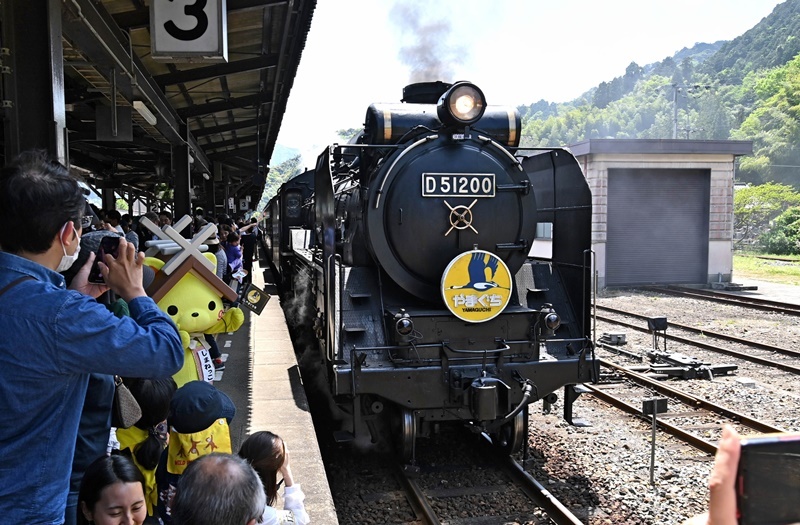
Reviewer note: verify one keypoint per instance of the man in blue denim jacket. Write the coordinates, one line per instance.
(54, 337)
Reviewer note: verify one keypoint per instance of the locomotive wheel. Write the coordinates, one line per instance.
(407, 434)
(511, 437)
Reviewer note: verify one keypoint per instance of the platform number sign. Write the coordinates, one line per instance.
(189, 30)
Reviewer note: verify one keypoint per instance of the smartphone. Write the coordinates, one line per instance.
(108, 244)
(768, 480)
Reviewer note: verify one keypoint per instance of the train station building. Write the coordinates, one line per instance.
(167, 108)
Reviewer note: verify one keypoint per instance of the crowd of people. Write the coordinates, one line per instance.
(234, 245)
(238, 238)
(71, 345)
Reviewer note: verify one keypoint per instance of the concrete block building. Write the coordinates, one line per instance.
(662, 209)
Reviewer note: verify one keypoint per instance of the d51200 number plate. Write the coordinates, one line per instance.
(458, 185)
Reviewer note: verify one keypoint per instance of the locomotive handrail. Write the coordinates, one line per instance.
(367, 146)
(564, 340)
(524, 186)
(379, 192)
(514, 159)
(508, 246)
(566, 208)
(587, 309)
(507, 344)
(337, 262)
(331, 334)
(487, 351)
(425, 345)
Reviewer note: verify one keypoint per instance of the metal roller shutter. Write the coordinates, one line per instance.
(657, 226)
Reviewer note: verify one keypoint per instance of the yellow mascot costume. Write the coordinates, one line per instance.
(195, 305)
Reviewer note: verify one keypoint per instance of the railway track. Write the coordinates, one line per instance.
(729, 298)
(710, 333)
(698, 413)
(461, 479)
(504, 475)
(786, 366)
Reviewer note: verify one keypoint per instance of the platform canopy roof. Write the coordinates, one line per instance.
(228, 112)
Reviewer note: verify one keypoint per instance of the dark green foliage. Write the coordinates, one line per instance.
(755, 207)
(276, 177)
(774, 127)
(771, 43)
(783, 237)
(348, 134)
(540, 110)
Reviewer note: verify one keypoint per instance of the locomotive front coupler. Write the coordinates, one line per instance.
(529, 395)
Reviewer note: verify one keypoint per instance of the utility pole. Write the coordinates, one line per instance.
(675, 89)
(689, 129)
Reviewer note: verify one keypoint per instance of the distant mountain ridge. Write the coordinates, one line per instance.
(283, 153)
(747, 88)
(774, 41)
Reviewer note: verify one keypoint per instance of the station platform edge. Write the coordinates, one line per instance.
(263, 380)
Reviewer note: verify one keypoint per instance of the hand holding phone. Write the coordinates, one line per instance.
(755, 481)
(768, 479)
(108, 245)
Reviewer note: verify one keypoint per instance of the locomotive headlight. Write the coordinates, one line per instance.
(552, 321)
(404, 326)
(549, 319)
(463, 104)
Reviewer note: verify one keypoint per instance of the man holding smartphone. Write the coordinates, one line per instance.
(55, 337)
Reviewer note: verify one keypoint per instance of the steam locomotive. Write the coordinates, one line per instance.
(413, 254)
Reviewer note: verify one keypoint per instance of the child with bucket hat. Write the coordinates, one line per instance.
(199, 416)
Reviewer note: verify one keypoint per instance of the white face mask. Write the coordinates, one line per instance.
(68, 260)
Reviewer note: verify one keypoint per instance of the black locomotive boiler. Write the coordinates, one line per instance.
(413, 251)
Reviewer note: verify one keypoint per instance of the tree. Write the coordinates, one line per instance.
(276, 177)
(632, 75)
(602, 96)
(755, 206)
(783, 237)
(348, 134)
(774, 126)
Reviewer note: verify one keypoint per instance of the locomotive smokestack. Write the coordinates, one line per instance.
(428, 54)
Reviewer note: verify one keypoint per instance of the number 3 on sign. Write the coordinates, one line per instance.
(195, 10)
(195, 30)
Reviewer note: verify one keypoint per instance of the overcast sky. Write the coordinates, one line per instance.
(517, 51)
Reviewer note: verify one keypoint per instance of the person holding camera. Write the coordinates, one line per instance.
(56, 337)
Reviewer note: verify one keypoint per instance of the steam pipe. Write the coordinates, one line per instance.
(527, 389)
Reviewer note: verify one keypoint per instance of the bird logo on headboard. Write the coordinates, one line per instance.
(477, 272)
(476, 286)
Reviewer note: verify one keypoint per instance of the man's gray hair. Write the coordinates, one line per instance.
(218, 489)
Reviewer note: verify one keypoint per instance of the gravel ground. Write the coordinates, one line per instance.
(602, 472)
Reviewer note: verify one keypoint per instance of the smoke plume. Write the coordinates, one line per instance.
(428, 54)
